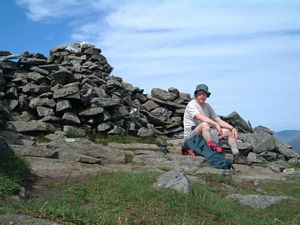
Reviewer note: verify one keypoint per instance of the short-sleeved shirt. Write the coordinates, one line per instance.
(192, 109)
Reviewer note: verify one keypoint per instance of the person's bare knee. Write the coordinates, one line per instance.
(231, 139)
(225, 133)
(202, 126)
(204, 130)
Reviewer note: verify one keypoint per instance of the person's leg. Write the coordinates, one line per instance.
(238, 158)
(231, 140)
(214, 135)
(203, 129)
(210, 135)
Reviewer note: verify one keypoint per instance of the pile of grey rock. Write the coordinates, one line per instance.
(73, 89)
(260, 144)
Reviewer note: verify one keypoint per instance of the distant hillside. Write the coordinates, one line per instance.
(291, 137)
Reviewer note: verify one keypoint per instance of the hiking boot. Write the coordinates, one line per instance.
(214, 146)
(240, 159)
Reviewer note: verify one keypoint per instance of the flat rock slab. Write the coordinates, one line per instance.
(252, 173)
(212, 170)
(53, 168)
(256, 201)
(32, 126)
(169, 161)
(86, 147)
(73, 149)
(18, 219)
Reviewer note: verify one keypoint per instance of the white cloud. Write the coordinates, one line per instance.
(230, 45)
(40, 10)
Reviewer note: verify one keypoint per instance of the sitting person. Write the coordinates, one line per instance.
(201, 119)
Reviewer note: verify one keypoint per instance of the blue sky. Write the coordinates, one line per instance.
(247, 52)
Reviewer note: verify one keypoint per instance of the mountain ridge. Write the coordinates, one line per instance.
(291, 137)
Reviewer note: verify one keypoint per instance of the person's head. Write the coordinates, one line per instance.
(201, 92)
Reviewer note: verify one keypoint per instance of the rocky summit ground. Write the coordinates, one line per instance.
(78, 156)
(63, 157)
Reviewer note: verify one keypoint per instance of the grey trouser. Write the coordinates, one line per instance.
(213, 134)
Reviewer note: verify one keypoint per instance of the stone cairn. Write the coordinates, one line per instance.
(73, 89)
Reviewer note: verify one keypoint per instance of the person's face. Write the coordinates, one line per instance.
(201, 96)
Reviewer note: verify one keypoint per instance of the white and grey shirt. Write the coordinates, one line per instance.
(192, 109)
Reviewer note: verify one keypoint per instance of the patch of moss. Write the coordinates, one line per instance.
(72, 133)
(128, 157)
(42, 139)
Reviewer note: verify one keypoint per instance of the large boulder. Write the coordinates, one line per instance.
(236, 120)
(175, 179)
(6, 151)
(260, 141)
(286, 151)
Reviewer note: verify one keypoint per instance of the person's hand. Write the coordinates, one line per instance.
(234, 132)
(219, 129)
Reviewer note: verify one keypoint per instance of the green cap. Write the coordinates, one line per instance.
(202, 87)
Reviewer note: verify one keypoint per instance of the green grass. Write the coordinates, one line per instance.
(8, 185)
(129, 198)
(73, 133)
(295, 165)
(14, 173)
(53, 129)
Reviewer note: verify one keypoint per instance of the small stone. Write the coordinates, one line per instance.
(68, 140)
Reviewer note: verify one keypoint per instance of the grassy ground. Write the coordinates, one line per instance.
(14, 174)
(129, 198)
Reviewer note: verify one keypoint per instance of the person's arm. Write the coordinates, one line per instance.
(209, 121)
(224, 124)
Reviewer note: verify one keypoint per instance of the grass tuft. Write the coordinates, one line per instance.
(128, 157)
(72, 133)
(14, 173)
(8, 185)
